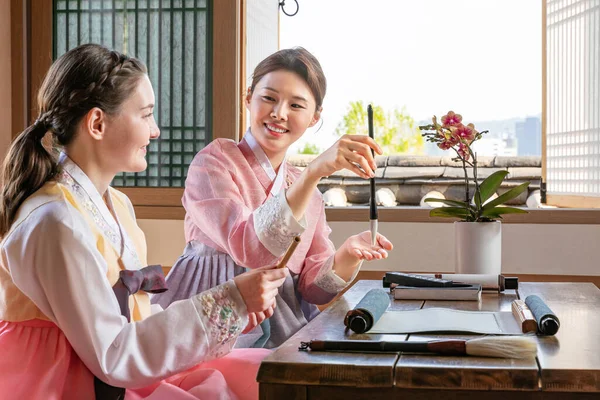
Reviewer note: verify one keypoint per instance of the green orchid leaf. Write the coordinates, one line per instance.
(449, 202)
(477, 199)
(449, 212)
(497, 211)
(509, 195)
(490, 185)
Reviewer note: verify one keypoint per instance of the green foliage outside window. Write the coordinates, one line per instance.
(310, 148)
(395, 131)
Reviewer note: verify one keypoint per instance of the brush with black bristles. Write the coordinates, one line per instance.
(489, 346)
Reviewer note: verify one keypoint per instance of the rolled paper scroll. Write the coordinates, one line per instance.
(547, 321)
(368, 311)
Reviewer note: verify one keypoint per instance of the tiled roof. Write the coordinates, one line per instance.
(408, 178)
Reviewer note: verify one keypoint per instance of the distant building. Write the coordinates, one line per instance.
(529, 136)
(487, 146)
(509, 137)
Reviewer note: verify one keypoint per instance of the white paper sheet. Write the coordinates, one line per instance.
(447, 320)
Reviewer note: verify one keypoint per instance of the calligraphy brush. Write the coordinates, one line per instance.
(372, 202)
(489, 346)
(288, 253)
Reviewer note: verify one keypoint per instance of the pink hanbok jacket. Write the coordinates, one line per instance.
(238, 217)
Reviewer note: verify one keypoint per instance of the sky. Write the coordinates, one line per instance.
(480, 58)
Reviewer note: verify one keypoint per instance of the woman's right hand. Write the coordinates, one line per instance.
(255, 319)
(259, 287)
(349, 152)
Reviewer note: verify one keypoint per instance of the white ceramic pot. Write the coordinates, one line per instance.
(478, 247)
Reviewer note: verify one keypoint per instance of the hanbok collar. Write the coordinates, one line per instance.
(80, 184)
(277, 178)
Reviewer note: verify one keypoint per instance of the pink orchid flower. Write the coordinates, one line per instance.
(451, 119)
(445, 145)
(475, 132)
(465, 133)
(448, 140)
(463, 150)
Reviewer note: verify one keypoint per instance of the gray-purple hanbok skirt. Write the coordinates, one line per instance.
(201, 267)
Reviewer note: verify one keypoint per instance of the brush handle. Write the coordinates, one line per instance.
(445, 347)
(372, 202)
(288, 253)
(370, 123)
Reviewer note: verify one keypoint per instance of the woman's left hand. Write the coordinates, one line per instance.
(360, 246)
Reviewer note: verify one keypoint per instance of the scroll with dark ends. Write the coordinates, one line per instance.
(368, 311)
(547, 321)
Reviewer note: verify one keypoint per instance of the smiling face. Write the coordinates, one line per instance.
(281, 108)
(130, 130)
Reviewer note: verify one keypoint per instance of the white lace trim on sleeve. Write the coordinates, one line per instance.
(224, 315)
(275, 224)
(328, 280)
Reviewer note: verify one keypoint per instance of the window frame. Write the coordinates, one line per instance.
(568, 201)
(224, 23)
(31, 50)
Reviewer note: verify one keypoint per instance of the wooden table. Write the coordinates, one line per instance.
(567, 366)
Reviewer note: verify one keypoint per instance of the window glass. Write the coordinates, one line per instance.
(169, 36)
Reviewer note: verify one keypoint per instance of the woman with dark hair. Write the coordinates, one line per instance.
(75, 316)
(244, 204)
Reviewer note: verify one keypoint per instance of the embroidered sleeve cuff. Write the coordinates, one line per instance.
(224, 315)
(328, 280)
(275, 224)
(299, 225)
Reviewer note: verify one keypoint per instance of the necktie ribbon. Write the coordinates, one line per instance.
(149, 279)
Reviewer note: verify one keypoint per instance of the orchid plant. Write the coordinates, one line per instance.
(453, 135)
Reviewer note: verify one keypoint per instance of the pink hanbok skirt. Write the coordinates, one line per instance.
(37, 362)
